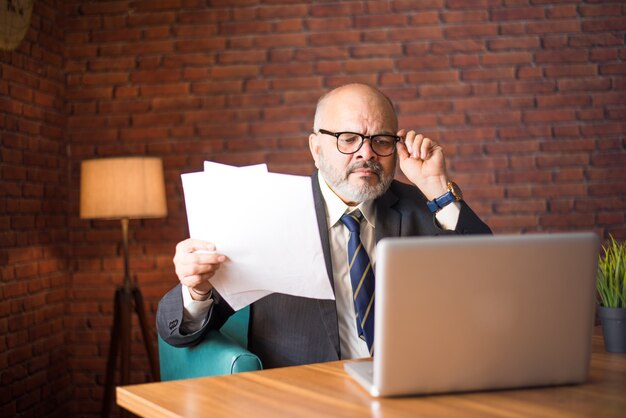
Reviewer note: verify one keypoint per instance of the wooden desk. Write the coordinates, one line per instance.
(325, 390)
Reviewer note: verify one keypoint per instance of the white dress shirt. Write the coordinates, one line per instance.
(194, 312)
(351, 345)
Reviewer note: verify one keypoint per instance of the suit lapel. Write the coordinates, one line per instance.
(328, 308)
(388, 220)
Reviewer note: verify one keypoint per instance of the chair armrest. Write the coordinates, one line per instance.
(215, 355)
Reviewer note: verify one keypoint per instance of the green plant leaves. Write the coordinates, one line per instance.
(611, 280)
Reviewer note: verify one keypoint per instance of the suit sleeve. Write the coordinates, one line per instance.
(169, 318)
(470, 223)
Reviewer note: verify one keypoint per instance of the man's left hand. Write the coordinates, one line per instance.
(422, 162)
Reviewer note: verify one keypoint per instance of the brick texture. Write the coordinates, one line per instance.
(527, 98)
(35, 276)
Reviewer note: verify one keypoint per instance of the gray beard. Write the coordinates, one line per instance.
(338, 180)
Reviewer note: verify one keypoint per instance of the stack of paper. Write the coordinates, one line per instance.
(265, 224)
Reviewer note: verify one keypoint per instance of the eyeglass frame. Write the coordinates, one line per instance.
(363, 138)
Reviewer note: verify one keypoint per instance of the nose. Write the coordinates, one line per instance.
(366, 152)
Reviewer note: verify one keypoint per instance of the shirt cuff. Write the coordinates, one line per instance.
(195, 312)
(448, 217)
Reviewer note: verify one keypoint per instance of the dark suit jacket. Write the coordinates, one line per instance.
(288, 330)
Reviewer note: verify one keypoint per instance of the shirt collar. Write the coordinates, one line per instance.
(336, 208)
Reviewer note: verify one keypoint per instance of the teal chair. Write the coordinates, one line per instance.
(219, 353)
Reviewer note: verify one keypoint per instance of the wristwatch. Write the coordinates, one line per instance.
(452, 195)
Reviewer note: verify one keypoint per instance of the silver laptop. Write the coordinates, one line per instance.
(470, 313)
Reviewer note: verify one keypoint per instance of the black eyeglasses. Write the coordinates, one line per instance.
(350, 142)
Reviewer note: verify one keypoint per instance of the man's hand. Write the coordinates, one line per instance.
(422, 162)
(195, 269)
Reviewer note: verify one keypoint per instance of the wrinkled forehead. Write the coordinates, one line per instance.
(357, 107)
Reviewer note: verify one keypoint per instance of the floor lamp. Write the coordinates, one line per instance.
(123, 188)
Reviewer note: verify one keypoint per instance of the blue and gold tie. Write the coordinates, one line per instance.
(362, 278)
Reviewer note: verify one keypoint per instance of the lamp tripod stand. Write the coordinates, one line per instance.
(120, 343)
(124, 188)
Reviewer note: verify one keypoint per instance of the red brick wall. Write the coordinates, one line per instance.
(34, 226)
(526, 96)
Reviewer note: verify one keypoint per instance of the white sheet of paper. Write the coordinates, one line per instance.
(266, 225)
(243, 299)
(213, 167)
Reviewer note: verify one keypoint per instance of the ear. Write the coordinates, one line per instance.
(314, 146)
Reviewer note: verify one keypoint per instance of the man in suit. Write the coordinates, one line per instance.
(356, 146)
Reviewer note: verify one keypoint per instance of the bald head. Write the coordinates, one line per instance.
(369, 102)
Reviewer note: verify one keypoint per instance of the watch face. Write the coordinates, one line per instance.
(456, 190)
(14, 22)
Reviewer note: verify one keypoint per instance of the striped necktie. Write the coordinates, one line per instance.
(362, 278)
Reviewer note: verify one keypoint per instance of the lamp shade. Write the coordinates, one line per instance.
(122, 187)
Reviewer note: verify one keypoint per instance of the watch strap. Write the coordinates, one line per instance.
(453, 194)
(441, 201)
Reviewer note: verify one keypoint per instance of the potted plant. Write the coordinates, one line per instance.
(611, 285)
